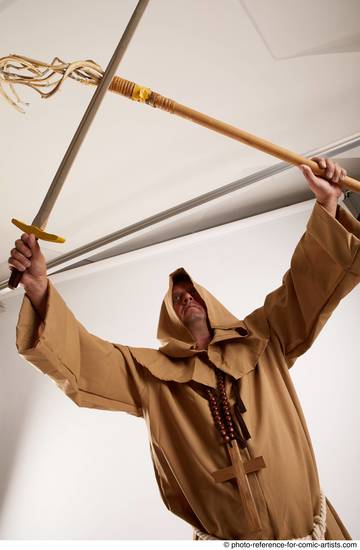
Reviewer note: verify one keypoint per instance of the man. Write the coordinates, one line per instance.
(229, 442)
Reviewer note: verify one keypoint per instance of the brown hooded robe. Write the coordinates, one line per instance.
(164, 387)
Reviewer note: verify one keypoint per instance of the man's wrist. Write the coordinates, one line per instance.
(38, 286)
(37, 294)
(330, 205)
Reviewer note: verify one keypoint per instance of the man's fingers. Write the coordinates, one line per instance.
(16, 263)
(330, 169)
(20, 257)
(320, 161)
(307, 173)
(306, 170)
(23, 248)
(333, 171)
(31, 241)
(337, 173)
(26, 249)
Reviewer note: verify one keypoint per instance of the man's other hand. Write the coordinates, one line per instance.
(327, 191)
(28, 258)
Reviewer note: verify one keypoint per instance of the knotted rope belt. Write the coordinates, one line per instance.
(317, 533)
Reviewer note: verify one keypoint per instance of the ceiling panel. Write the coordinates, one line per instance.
(292, 28)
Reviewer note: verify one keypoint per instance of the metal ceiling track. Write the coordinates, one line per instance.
(83, 254)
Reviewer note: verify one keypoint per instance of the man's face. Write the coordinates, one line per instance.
(188, 304)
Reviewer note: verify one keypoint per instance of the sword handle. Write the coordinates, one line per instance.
(14, 278)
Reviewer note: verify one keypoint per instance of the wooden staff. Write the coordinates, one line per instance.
(47, 78)
(41, 218)
(145, 95)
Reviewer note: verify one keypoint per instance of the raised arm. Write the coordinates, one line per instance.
(324, 268)
(91, 371)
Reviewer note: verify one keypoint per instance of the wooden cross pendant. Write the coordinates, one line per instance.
(239, 470)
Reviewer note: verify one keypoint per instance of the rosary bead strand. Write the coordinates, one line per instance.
(220, 410)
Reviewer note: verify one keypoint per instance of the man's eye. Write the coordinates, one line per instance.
(176, 299)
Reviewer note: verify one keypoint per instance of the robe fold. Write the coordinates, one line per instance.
(165, 387)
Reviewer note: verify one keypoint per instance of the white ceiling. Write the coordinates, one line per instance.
(283, 70)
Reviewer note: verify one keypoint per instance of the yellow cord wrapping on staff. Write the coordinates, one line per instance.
(140, 93)
(129, 89)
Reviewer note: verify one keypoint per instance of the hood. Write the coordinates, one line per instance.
(178, 360)
(175, 338)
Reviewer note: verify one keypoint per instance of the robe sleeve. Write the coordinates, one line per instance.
(324, 268)
(94, 373)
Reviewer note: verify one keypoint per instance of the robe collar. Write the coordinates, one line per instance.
(179, 361)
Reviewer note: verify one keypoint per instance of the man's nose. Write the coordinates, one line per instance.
(187, 298)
